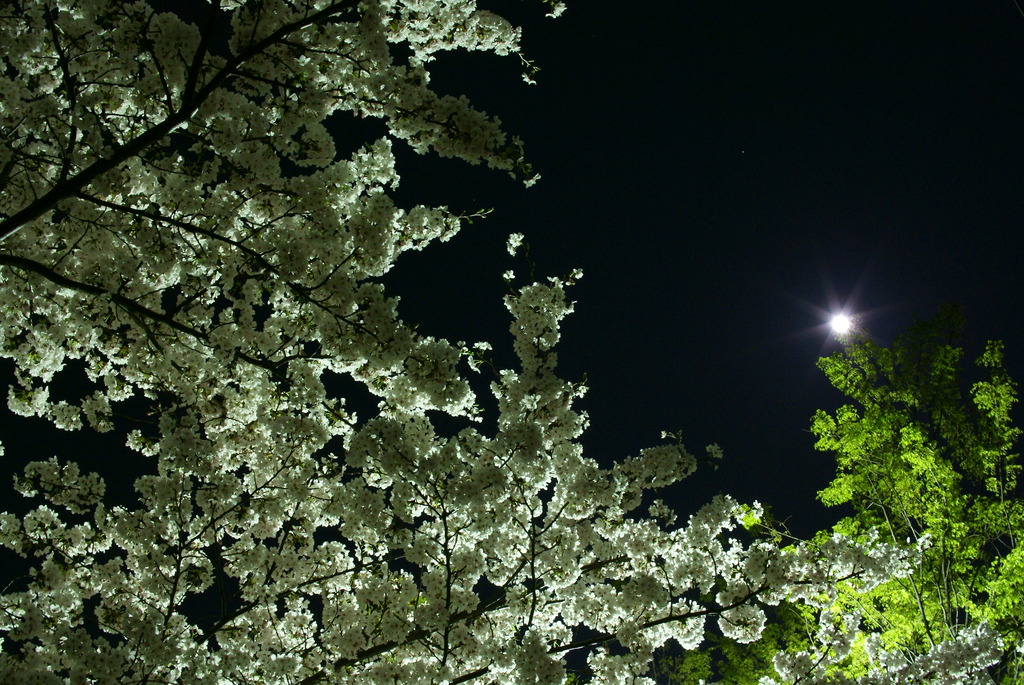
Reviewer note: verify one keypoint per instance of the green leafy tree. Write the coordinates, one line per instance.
(926, 458)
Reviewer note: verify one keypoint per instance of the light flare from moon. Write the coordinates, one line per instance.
(841, 323)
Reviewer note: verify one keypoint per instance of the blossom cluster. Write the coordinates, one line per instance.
(959, 661)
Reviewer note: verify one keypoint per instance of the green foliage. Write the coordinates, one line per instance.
(685, 668)
(788, 630)
(722, 660)
(922, 457)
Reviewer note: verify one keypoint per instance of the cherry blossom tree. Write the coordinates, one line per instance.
(178, 230)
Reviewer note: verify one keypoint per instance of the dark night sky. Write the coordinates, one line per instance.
(722, 171)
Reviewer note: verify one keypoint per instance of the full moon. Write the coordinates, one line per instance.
(841, 323)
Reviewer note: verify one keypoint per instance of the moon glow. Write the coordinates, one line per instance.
(841, 323)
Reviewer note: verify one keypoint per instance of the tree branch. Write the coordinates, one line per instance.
(66, 188)
(129, 305)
